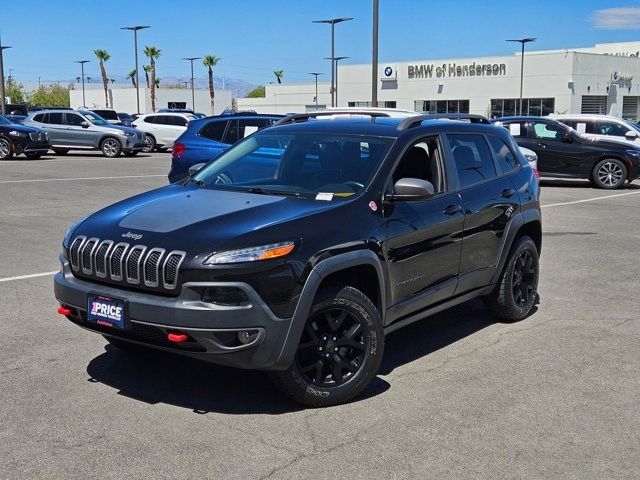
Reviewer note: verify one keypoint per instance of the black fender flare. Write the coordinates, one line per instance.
(521, 219)
(318, 273)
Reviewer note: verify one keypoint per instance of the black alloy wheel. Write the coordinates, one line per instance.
(522, 281)
(6, 149)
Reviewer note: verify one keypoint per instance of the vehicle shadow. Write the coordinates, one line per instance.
(581, 184)
(202, 387)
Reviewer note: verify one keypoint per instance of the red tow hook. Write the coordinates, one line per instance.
(62, 310)
(177, 337)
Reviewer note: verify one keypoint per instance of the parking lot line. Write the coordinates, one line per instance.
(590, 199)
(24, 277)
(79, 178)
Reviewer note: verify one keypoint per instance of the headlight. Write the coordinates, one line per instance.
(71, 229)
(264, 252)
(15, 133)
(634, 153)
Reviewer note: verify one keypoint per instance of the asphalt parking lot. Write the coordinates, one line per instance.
(458, 396)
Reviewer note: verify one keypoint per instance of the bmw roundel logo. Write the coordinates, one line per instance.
(388, 71)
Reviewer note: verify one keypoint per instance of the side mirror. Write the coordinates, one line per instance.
(631, 135)
(411, 189)
(193, 169)
(84, 124)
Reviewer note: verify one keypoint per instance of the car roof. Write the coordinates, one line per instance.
(525, 118)
(175, 114)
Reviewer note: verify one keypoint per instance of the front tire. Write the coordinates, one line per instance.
(609, 174)
(6, 149)
(149, 143)
(339, 352)
(111, 148)
(517, 290)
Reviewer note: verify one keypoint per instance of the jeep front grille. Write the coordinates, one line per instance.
(124, 263)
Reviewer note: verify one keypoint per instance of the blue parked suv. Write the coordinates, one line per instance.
(206, 138)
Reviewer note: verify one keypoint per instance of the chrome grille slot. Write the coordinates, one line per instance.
(115, 261)
(74, 252)
(86, 255)
(134, 258)
(100, 259)
(170, 269)
(152, 266)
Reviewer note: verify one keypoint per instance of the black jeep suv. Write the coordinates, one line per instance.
(301, 246)
(564, 153)
(16, 139)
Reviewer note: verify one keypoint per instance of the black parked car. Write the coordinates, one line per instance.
(16, 139)
(301, 265)
(563, 152)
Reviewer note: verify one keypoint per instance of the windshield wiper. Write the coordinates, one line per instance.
(263, 191)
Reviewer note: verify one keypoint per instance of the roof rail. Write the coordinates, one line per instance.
(417, 120)
(294, 118)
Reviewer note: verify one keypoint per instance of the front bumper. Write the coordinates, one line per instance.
(31, 147)
(212, 329)
(132, 144)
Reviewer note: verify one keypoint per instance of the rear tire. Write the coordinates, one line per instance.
(609, 174)
(127, 347)
(149, 143)
(111, 147)
(517, 290)
(339, 352)
(6, 149)
(61, 151)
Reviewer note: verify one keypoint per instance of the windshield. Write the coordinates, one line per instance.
(322, 165)
(4, 121)
(96, 119)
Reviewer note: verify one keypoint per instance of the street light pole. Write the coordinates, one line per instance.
(316, 75)
(332, 22)
(335, 62)
(374, 57)
(522, 41)
(135, 29)
(193, 95)
(82, 62)
(2, 99)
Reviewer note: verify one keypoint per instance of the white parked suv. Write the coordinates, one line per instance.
(603, 127)
(162, 129)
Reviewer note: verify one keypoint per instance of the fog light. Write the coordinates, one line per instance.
(247, 336)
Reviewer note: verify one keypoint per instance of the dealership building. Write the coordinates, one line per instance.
(601, 79)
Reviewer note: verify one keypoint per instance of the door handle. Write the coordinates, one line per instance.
(507, 193)
(452, 209)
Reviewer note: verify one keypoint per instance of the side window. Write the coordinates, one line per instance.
(213, 130)
(546, 131)
(179, 121)
(74, 120)
(247, 127)
(165, 120)
(151, 119)
(231, 136)
(506, 159)
(55, 118)
(611, 128)
(422, 160)
(39, 117)
(473, 158)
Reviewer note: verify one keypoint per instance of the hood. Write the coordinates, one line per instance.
(22, 128)
(122, 128)
(195, 219)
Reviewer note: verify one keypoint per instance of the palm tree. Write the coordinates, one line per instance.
(147, 70)
(132, 76)
(211, 61)
(103, 56)
(279, 74)
(157, 82)
(153, 53)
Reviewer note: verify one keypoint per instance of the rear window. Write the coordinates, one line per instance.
(55, 118)
(107, 114)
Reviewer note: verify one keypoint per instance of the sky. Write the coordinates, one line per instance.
(255, 37)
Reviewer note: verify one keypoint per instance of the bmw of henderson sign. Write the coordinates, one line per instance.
(453, 70)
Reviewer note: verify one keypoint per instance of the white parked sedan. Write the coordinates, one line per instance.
(162, 129)
(602, 127)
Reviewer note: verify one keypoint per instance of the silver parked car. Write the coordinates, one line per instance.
(82, 130)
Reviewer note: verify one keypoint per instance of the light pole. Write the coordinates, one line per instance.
(186, 85)
(522, 41)
(2, 102)
(374, 57)
(332, 22)
(315, 74)
(193, 95)
(135, 29)
(82, 62)
(335, 62)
